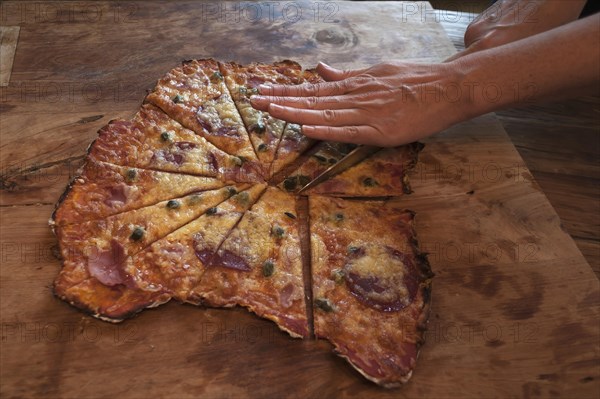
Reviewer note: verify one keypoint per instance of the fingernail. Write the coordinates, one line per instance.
(264, 89)
(275, 107)
(307, 129)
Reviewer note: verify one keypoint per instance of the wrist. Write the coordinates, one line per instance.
(461, 91)
(482, 85)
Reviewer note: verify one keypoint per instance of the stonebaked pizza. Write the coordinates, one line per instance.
(371, 285)
(194, 199)
(243, 81)
(367, 180)
(153, 140)
(259, 265)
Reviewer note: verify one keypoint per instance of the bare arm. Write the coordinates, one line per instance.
(396, 103)
(507, 21)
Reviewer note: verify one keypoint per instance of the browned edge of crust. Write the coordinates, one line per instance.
(415, 149)
(288, 62)
(77, 175)
(89, 311)
(183, 62)
(427, 274)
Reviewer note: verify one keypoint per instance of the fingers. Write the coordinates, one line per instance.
(319, 103)
(329, 117)
(306, 89)
(330, 73)
(360, 134)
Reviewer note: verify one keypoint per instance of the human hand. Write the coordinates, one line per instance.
(386, 105)
(510, 20)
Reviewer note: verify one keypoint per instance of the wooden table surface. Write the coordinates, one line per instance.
(560, 144)
(515, 304)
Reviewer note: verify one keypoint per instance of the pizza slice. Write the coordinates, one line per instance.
(371, 285)
(326, 154)
(153, 140)
(382, 174)
(92, 277)
(293, 142)
(259, 265)
(195, 95)
(175, 263)
(104, 189)
(242, 81)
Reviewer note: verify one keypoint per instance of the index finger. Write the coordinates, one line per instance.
(307, 89)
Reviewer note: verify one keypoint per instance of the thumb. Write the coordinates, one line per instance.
(331, 74)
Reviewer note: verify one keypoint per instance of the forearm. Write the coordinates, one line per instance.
(511, 20)
(539, 67)
(395, 103)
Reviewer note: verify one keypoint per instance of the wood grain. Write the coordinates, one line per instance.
(560, 143)
(515, 305)
(9, 35)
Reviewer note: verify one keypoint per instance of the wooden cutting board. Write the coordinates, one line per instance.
(515, 305)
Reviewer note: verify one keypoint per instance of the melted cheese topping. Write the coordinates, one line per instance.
(385, 270)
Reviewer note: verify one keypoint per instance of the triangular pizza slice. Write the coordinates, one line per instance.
(371, 285)
(153, 140)
(93, 252)
(175, 263)
(259, 265)
(326, 154)
(195, 95)
(104, 189)
(242, 81)
(382, 174)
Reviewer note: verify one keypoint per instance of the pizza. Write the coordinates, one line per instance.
(194, 199)
(103, 189)
(175, 263)
(259, 265)
(366, 179)
(293, 143)
(371, 285)
(196, 96)
(243, 81)
(152, 140)
(94, 251)
(324, 156)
